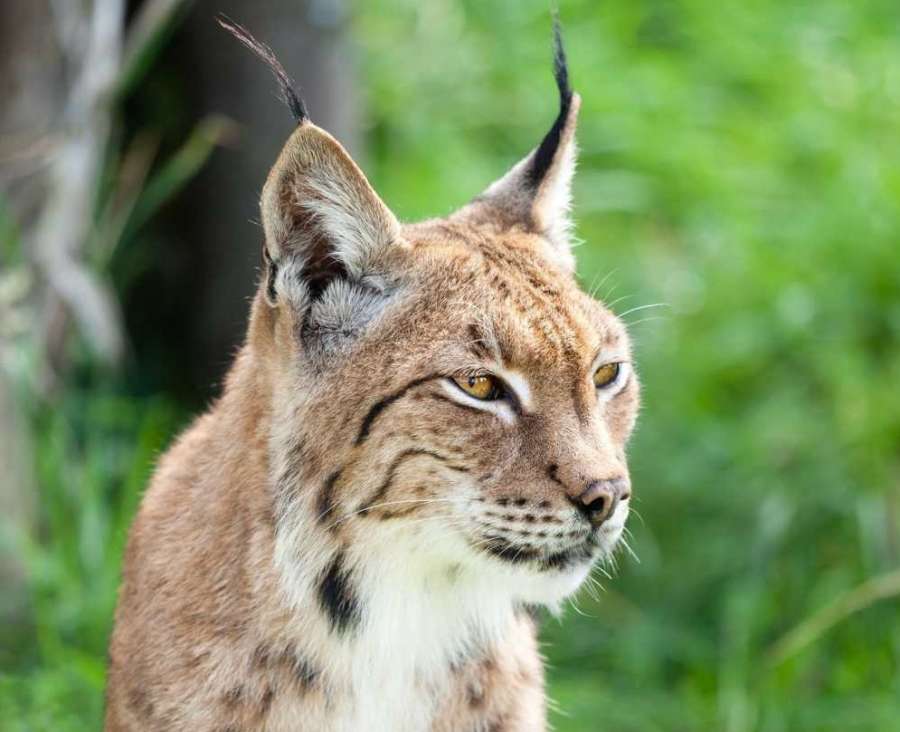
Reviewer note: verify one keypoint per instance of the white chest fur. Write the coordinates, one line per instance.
(392, 669)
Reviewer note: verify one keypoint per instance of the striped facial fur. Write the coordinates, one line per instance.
(422, 438)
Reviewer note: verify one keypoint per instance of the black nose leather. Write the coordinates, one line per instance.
(599, 500)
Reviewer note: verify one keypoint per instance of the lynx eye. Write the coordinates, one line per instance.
(484, 387)
(606, 375)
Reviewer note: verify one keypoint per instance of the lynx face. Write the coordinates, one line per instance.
(482, 414)
(458, 403)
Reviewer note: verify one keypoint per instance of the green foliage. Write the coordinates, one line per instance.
(94, 451)
(739, 164)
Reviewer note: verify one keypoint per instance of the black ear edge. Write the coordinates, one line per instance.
(288, 92)
(546, 151)
(270, 272)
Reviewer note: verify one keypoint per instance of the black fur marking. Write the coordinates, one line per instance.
(502, 549)
(325, 504)
(551, 473)
(271, 273)
(544, 155)
(395, 465)
(380, 406)
(293, 100)
(337, 598)
(565, 559)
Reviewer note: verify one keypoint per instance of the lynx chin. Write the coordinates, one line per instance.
(421, 441)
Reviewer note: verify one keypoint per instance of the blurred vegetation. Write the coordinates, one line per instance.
(739, 164)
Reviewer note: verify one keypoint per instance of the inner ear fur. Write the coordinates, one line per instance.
(321, 217)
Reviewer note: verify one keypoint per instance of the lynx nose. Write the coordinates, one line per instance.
(599, 500)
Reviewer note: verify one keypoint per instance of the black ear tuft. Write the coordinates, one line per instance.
(546, 151)
(288, 92)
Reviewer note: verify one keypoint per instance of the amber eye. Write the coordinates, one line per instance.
(485, 387)
(606, 375)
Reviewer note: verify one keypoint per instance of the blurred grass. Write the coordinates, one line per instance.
(739, 163)
(94, 450)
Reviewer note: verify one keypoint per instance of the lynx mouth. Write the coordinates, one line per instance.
(541, 559)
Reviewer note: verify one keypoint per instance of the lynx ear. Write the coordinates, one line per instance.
(321, 218)
(536, 192)
(320, 214)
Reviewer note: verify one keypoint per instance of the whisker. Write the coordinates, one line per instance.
(591, 589)
(613, 287)
(628, 548)
(619, 299)
(644, 320)
(594, 289)
(612, 563)
(597, 584)
(633, 510)
(574, 604)
(644, 307)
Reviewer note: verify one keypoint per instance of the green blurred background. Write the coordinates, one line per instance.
(739, 165)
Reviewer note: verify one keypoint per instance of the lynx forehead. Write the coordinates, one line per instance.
(422, 438)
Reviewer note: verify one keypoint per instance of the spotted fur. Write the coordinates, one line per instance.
(347, 540)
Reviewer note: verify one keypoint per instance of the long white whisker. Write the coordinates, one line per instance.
(611, 305)
(596, 288)
(572, 601)
(644, 320)
(632, 509)
(591, 589)
(644, 307)
(627, 546)
(613, 287)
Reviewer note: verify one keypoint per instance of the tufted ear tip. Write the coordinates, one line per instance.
(288, 91)
(536, 192)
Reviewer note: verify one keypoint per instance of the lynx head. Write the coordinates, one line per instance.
(443, 394)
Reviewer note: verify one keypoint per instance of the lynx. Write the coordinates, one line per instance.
(421, 441)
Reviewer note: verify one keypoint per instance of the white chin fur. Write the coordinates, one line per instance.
(551, 588)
